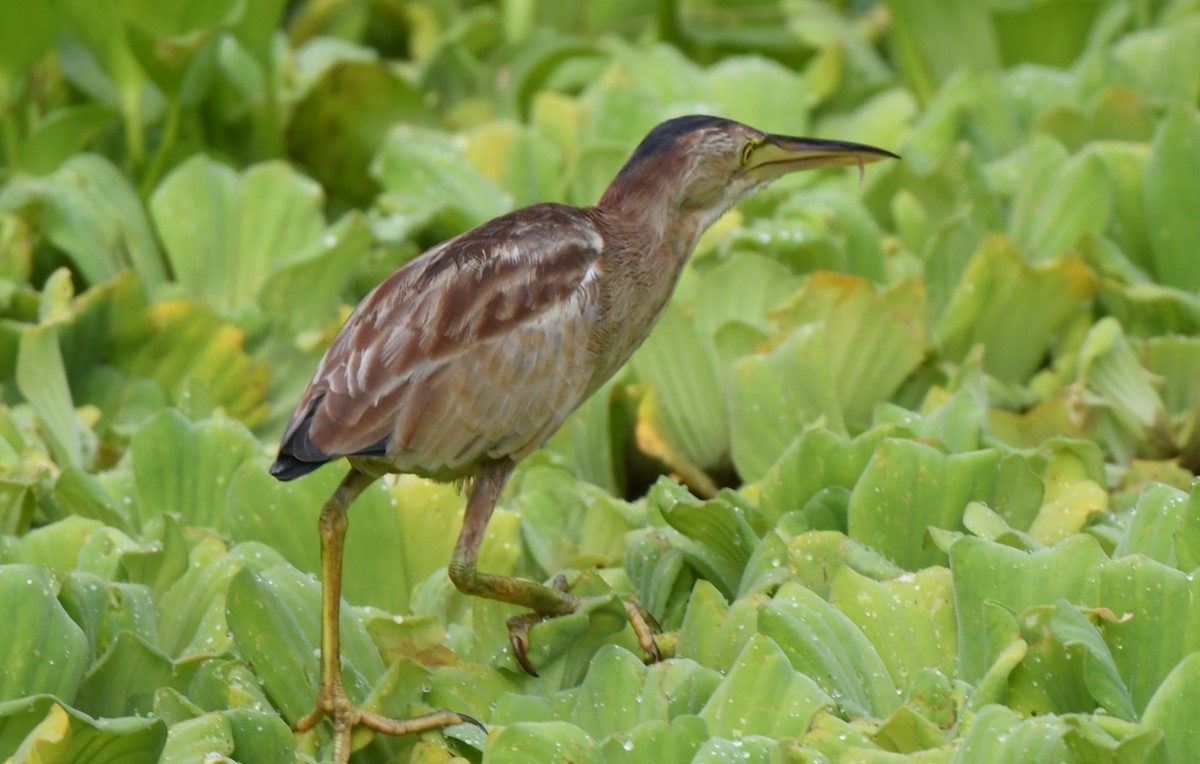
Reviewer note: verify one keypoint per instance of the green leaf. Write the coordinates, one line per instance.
(62, 134)
(426, 178)
(1063, 29)
(906, 731)
(907, 488)
(1078, 201)
(910, 621)
(90, 211)
(1170, 709)
(43, 730)
(303, 292)
(187, 468)
(715, 537)
(1098, 738)
(817, 460)
(842, 219)
(191, 611)
(518, 159)
(660, 575)
(989, 574)
(1161, 62)
(106, 611)
(1157, 624)
(713, 632)
(824, 644)
(1158, 513)
(554, 742)
(1073, 494)
(676, 740)
(28, 33)
(1013, 309)
(689, 405)
(605, 703)
(815, 557)
(934, 39)
(42, 379)
(192, 354)
(1100, 673)
(261, 736)
(755, 749)
(340, 123)
(274, 620)
(225, 684)
(48, 653)
(1125, 164)
(80, 494)
(224, 232)
(171, 21)
(1118, 387)
(586, 439)
(876, 338)
(999, 735)
(563, 648)
(191, 741)
(58, 546)
(181, 65)
(1172, 176)
(123, 681)
(777, 395)
(740, 290)
(749, 87)
(763, 695)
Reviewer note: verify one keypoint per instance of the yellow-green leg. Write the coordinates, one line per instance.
(331, 696)
(544, 601)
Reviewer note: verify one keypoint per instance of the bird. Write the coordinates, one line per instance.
(466, 359)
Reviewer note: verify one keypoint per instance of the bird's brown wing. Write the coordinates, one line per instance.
(476, 350)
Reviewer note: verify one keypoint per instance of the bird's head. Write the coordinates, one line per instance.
(706, 164)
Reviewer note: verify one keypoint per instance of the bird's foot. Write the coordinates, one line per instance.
(345, 716)
(640, 620)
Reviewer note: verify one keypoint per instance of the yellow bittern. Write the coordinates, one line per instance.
(470, 356)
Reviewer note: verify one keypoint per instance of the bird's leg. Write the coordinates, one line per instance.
(332, 700)
(482, 501)
(544, 601)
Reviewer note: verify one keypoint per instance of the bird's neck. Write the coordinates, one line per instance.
(638, 212)
(645, 249)
(651, 245)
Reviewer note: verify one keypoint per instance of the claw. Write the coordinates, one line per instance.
(650, 620)
(518, 637)
(640, 620)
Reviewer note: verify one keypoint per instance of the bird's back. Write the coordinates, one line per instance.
(476, 350)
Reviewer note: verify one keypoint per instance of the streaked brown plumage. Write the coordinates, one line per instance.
(403, 380)
(469, 357)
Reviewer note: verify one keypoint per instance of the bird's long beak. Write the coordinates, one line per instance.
(780, 154)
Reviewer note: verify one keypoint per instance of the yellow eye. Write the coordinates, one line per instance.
(747, 150)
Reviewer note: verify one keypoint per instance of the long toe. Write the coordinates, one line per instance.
(431, 721)
(344, 717)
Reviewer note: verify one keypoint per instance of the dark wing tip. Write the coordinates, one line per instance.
(287, 467)
(298, 456)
